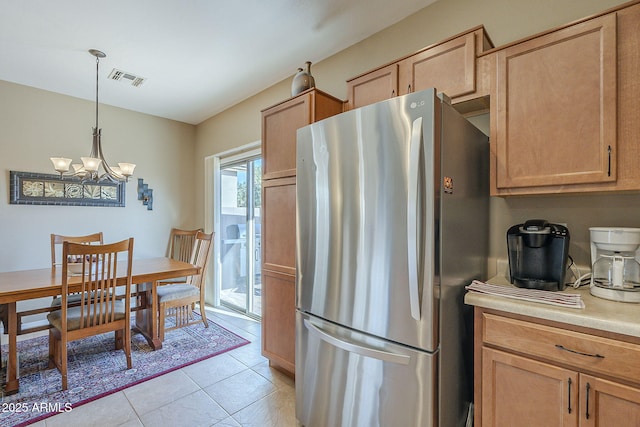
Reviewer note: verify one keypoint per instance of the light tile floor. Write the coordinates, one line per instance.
(237, 388)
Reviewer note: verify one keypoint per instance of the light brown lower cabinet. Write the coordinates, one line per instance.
(531, 374)
(278, 272)
(279, 319)
(521, 391)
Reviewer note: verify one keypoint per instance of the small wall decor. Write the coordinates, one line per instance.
(145, 194)
(30, 188)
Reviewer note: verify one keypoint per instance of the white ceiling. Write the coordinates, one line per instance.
(198, 57)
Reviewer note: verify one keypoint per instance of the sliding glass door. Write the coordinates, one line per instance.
(240, 221)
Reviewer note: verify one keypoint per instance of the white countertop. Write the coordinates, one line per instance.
(619, 317)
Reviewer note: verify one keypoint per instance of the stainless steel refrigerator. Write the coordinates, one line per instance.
(392, 222)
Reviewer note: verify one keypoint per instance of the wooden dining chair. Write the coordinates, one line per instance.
(41, 324)
(103, 312)
(57, 239)
(178, 299)
(181, 244)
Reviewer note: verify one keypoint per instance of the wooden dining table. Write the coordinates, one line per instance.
(47, 282)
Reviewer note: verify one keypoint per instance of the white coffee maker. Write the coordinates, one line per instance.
(615, 258)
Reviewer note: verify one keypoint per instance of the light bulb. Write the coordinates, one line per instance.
(91, 164)
(61, 164)
(126, 169)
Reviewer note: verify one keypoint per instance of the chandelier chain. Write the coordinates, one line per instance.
(88, 170)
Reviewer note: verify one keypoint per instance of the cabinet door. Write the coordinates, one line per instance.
(278, 271)
(449, 67)
(373, 87)
(279, 319)
(524, 392)
(555, 106)
(279, 126)
(279, 225)
(606, 403)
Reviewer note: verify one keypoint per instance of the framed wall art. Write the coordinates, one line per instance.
(29, 188)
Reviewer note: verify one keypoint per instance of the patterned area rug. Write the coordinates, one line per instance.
(95, 369)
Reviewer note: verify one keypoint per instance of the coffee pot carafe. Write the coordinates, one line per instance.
(615, 253)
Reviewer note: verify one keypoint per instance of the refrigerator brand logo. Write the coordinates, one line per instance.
(448, 185)
(416, 104)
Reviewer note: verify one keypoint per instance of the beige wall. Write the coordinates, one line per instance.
(35, 125)
(505, 21)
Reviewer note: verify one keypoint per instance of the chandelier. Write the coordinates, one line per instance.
(90, 167)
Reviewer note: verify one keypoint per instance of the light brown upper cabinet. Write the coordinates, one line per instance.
(373, 87)
(449, 66)
(564, 109)
(280, 123)
(556, 107)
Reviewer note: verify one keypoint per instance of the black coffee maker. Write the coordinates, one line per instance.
(538, 253)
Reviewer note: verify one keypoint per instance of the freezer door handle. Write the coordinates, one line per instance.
(385, 356)
(413, 216)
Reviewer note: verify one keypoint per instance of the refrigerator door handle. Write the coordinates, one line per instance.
(415, 148)
(385, 356)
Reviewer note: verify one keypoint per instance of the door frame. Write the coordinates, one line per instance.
(212, 199)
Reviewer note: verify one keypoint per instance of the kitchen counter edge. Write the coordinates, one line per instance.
(611, 316)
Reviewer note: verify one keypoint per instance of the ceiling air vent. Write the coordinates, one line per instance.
(123, 76)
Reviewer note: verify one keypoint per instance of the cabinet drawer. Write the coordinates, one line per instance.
(579, 350)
